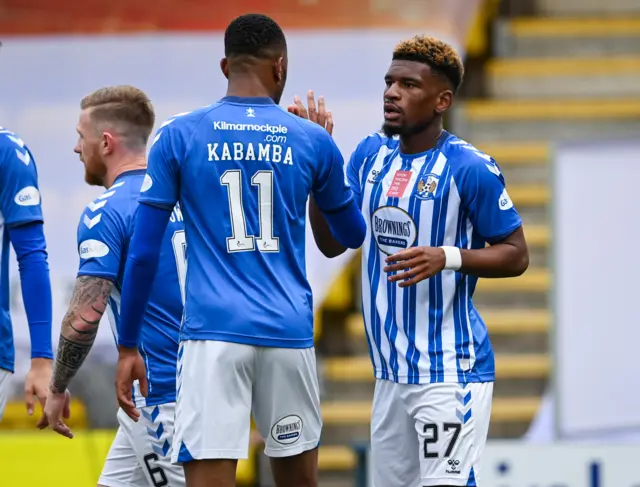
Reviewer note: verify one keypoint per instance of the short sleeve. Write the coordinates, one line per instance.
(330, 188)
(483, 192)
(162, 182)
(19, 192)
(102, 238)
(368, 146)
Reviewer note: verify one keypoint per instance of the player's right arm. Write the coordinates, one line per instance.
(22, 213)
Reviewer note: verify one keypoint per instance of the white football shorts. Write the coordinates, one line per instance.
(5, 381)
(221, 384)
(429, 434)
(140, 455)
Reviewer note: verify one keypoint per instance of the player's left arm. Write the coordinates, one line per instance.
(21, 208)
(159, 195)
(493, 216)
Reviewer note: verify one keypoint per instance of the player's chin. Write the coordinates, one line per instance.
(391, 128)
(91, 179)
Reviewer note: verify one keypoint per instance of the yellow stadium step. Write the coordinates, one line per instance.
(508, 366)
(504, 410)
(551, 67)
(517, 153)
(537, 235)
(532, 281)
(504, 322)
(16, 418)
(575, 27)
(337, 457)
(529, 194)
(482, 111)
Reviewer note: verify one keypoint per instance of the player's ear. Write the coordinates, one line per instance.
(224, 66)
(445, 98)
(279, 69)
(107, 143)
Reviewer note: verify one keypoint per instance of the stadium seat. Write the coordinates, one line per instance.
(332, 457)
(16, 417)
(508, 366)
(541, 67)
(537, 235)
(504, 410)
(340, 295)
(529, 194)
(574, 27)
(534, 280)
(517, 153)
(544, 110)
(506, 322)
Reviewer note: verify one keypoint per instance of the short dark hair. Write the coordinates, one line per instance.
(439, 56)
(125, 106)
(254, 35)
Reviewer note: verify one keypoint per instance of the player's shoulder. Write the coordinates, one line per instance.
(459, 151)
(116, 205)
(12, 147)
(464, 156)
(185, 122)
(372, 144)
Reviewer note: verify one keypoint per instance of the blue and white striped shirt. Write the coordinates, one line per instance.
(451, 195)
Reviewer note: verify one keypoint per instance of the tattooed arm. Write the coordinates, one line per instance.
(79, 328)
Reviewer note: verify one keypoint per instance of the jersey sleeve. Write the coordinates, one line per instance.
(162, 182)
(330, 187)
(19, 192)
(483, 192)
(102, 238)
(369, 145)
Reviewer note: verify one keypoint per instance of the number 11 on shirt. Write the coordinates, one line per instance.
(239, 240)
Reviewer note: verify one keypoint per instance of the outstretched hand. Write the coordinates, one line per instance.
(318, 115)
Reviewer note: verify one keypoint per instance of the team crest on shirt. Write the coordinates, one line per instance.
(427, 187)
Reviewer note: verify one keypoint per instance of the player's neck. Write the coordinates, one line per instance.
(422, 141)
(247, 86)
(128, 164)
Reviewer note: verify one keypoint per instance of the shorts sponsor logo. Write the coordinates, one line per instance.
(288, 430)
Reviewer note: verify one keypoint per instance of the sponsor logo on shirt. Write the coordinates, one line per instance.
(92, 249)
(504, 202)
(29, 196)
(250, 127)
(393, 228)
(146, 184)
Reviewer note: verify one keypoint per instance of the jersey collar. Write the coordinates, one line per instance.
(248, 100)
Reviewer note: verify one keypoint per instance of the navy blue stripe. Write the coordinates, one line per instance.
(438, 226)
(458, 304)
(390, 323)
(410, 299)
(464, 295)
(374, 264)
